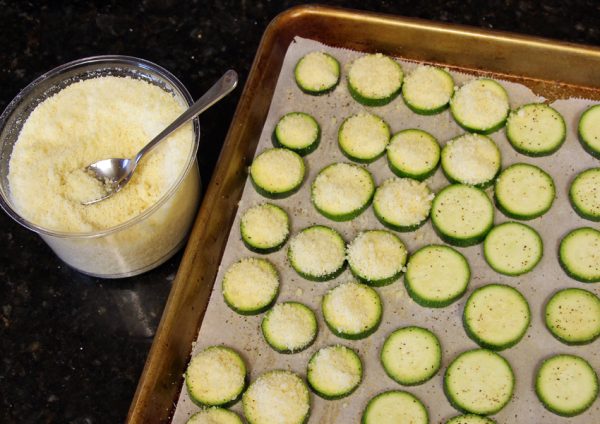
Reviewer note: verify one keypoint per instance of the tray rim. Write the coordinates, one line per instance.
(146, 404)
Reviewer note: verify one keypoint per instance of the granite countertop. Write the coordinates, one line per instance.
(72, 346)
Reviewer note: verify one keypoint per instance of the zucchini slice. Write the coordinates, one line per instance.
(479, 381)
(317, 73)
(512, 248)
(334, 372)
(250, 286)
(402, 204)
(536, 129)
(375, 79)
(318, 253)
(584, 194)
(524, 191)
(480, 106)
(436, 276)
(411, 355)
(472, 159)
(265, 228)
(342, 191)
(214, 415)
(579, 255)
(393, 407)
(277, 173)
(352, 310)
(573, 316)
(589, 130)
(413, 154)
(363, 137)
(470, 419)
(462, 215)
(289, 327)
(277, 396)
(376, 257)
(496, 316)
(216, 377)
(427, 90)
(566, 385)
(297, 131)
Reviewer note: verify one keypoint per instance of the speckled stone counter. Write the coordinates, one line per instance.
(72, 347)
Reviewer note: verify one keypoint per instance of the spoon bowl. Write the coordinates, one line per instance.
(115, 173)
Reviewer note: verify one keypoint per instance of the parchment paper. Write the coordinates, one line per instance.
(223, 326)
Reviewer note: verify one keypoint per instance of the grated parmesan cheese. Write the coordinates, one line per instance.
(480, 103)
(334, 369)
(297, 130)
(428, 87)
(375, 75)
(317, 251)
(352, 307)
(250, 282)
(265, 225)
(290, 326)
(376, 254)
(342, 188)
(277, 170)
(471, 159)
(403, 201)
(364, 135)
(317, 71)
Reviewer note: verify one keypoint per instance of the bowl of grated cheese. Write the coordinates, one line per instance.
(84, 111)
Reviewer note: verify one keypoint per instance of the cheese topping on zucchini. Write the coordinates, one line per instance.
(250, 285)
(414, 154)
(317, 253)
(297, 131)
(376, 256)
(375, 79)
(317, 73)
(481, 105)
(214, 416)
(363, 137)
(277, 397)
(277, 172)
(352, 310)
(427, 89)
(264, 227)
(215, 376)
(341, 191)
(289, 327)
(403, 204)
(471, 159)
(334, 372)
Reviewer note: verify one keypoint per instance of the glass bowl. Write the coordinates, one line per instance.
(134, 246)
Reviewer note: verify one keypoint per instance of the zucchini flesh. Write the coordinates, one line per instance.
(479, 381)
(318, 253)
(289, 327)
(375, 79)
(470, 419)
(402, 204)
(411, 355)
(579, 254)
(472, 159)
(214, 415)
(496, 316)
(317, 73)
(436, 276)
(250, 286)
(352, 310)
(413, 153)
(536, 129)
(573, 316)
(589, 130)
(334, 372)
(215, 377)
(584, 194)
(265, 228)
(480, 106)
(297, 131)
(462, 215)
(376, 257)
(395, 407)
(277, 396)
(342, 191)
(524, 191)
(363, 137)
(566, 385)
(277, 173)
(427, 90)
(512, 248)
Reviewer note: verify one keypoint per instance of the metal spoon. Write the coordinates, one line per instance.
(115, 173)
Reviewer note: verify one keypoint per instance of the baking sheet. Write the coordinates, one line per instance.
(223, 326)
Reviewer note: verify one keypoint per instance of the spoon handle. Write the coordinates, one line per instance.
(220, 89)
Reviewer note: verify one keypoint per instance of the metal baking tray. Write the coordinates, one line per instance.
(551, 69)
